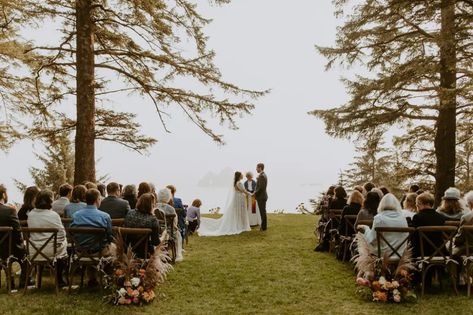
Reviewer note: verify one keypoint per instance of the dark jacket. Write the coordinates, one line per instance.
(427, 217)
(351, 209)
(116, 207)
(247, 186)
(261, 185)
(9, 218)
(337, 204)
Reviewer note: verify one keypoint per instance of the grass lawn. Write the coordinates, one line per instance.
(272, 272)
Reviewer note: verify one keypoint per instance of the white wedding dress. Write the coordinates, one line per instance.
(235, 218)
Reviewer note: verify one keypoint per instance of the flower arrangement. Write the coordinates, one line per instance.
(386, 284)
(134, 280)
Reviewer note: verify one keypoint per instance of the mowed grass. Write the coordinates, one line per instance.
(272, 272)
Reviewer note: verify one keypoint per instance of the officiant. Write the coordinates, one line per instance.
(253, 211)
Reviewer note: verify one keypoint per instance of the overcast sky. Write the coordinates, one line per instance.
(262, 44)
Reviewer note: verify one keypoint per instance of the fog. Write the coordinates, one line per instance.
(260, 45)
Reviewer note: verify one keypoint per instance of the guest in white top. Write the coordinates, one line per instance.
(389, 215)
(65, 194)
(43, 217)
(409, 205)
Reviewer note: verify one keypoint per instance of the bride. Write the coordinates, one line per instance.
(235, 218)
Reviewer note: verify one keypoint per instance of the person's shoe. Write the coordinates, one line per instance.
(320, 248)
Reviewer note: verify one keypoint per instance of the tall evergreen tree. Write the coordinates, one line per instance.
(137, 42)
(418, 55)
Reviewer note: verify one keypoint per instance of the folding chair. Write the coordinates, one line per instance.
(347, 238)
(118, 222)
(335, 215)
(5, 255)
(137, 238)
(37, 258)
(441, 253)
(85, 255)
(468, 257)
(394, 252)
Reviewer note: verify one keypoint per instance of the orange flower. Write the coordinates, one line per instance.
(380, 296)
(376, 285)
(129, 291)
(141, 289)
(119, 272)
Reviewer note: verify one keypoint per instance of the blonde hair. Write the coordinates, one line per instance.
(410, 201)
(355, 197)
(450, 206)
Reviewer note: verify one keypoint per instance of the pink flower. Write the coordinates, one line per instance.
(363, 282)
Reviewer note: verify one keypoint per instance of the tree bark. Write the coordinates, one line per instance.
(445, 137)
(85, 128)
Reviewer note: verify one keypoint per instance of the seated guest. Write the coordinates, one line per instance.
(9, 218)
(102, 188)
(412, 189)
(164, 198)
(338, 202)
(116, 207)
(368, 187)
(143, 217)
(379, 192)
(426, 216)
(359, 188)
(389, 215)
(77, 201)
(193, 215)
(354, 205)
(65, 194)
(143, 188)
(370, 207)
(92, 217)
(177, 204)
(409, 206)
(450, 207)
(28, 202)
(129, 194)
(89, 185)
(385, 190)
(42, 216)
(467, 219)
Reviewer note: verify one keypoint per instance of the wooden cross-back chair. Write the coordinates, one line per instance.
(118, 222)
(347, 238)
(86, 255)
(452, 223)
(468, 257)
(171, 241)
(186, 227)
(37, 258)
(5, 254)
(364, 222)
(137, 238)
(394, 252)
(436, 255)
(335, 216)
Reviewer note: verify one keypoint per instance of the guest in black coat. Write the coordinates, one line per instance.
(116, 207)
(9, 218)
(28, 202)
(354, 205)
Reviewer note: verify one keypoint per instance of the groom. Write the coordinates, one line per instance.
(261, 195)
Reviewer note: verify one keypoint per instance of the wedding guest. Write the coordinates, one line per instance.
(409, 206)
(129, 194)
(9, 218)
(340, 199)
(389, 215)
(102, 188)
(77, 201)
(91, 216)
(359, 188)
(459, 243)
(89, 185)
(28, 202)
(369, 186)
(116, 207)
(323, 210)
(370, 207)
(42, 216)
(414, 188)
(352, 208)
(450, 207)
(143, 217)
(164, 197)
(65, 193)
(426, 216)
(143, 188)
(193, 215)
(177, 204)
(384, 190)
(379, 192)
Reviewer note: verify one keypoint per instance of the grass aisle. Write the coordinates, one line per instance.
(275, 272)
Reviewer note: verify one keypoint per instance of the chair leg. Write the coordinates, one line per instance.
(424, 272)
(28, 272)
(39, 276)
(468, 281)
(8, 277)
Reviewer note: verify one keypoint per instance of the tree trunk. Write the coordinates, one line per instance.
(445, 137)
(85, 128)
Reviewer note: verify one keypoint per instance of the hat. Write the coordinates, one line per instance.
(452, 193)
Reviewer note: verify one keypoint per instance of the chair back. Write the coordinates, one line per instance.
(23, 223)
(38, 254)
(118, 222)
(468, 232)
(88, 249)
(394, 250)
(5, 243)
(161, 218)
(452, 223)
(137, 238)
(364, 222)
(170, 224)
(66, 221)
(436, 242)
(335, 216)
(349, 222)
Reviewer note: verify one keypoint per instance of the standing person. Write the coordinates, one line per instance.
(261, 194)
(116, 207)
(253, 211)
(65, 194)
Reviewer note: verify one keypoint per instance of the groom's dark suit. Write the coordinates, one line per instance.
(261, 197)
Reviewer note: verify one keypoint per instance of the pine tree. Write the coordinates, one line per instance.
(138, 42)
(418, 55)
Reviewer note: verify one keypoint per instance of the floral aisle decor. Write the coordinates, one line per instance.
(385, 283)
(134, 280)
